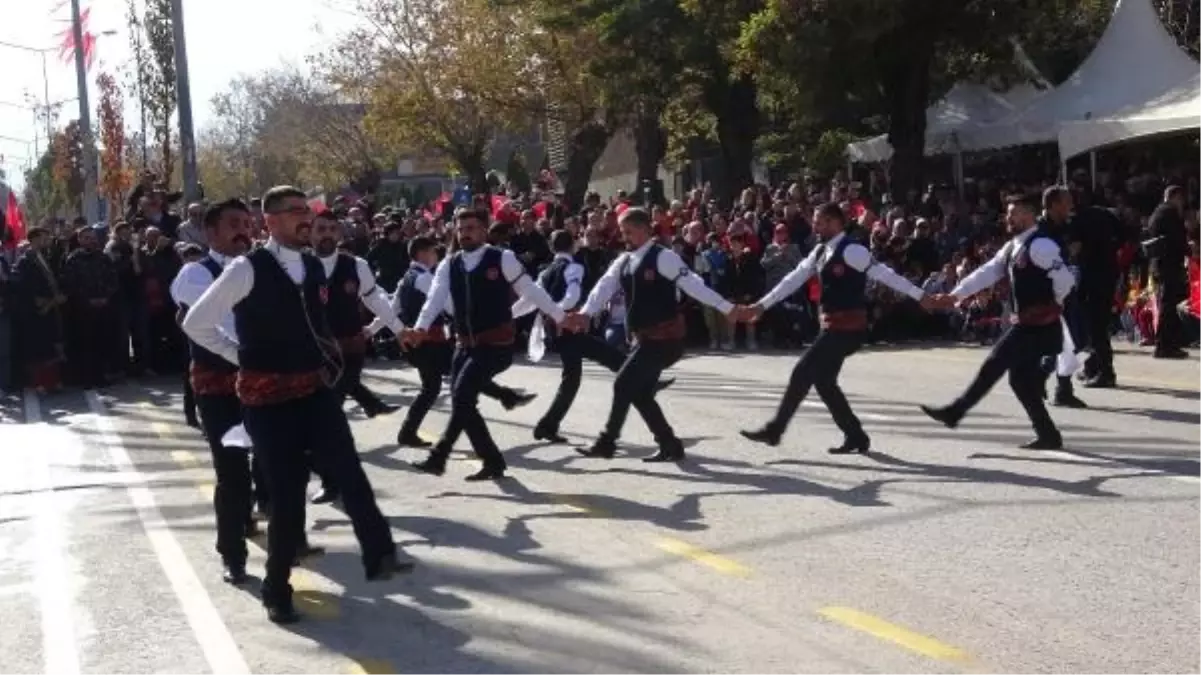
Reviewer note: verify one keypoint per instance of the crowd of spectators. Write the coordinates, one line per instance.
(112, 315)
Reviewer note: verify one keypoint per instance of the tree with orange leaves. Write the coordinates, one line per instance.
(115, 177)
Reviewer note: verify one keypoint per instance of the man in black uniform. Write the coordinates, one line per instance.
(351, 286)
(432, 357)
(649, 275)
(1099, 234)
(475, 283)
(1168, 249)
(289, 407)
(843, 267)
(1039, 283)
(1056, 222)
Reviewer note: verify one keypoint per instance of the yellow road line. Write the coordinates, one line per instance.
(309, 600)
(877, 627)
(700, 555)
(371, 667)
(577, 504)
(163, 430)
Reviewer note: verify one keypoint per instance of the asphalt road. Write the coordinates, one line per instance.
(942, 551)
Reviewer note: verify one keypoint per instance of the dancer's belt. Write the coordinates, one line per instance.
(501, 336)
(259, 388)
(353, 344)
(845, 320)
(212, 382)
(1038, 315)
(672, 329)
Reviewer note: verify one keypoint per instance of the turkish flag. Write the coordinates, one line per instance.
(14, 220)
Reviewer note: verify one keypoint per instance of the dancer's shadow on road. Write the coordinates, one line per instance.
(1147, 467)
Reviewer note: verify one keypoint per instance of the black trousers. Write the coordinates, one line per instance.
(818, 368)
(635, 385)
(471, 372)
(232, 496)
(573, 348)
(432, 361)
(1097, 308)
(351, 383)
(284, 435)
(189, 397)
(1019, 352)
(1169, 332)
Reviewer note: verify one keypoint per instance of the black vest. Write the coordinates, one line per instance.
(554, 279)
(276, 322)
(345, 297)
(412, 299)
(199, 355)
(482, 297)
(1030, 285)
(650, 297)
(843, 286)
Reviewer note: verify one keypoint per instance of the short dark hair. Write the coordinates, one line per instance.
(1053, 195)
(635, 215)
(35, 232)
(326, 214)
(212, 214)
(832, 210)
(275, 196)
(561, 241)
(1173, 192)
(472, 213)
(1024, 202)
(419, 245)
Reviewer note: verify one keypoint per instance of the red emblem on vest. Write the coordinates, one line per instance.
(351, 287)
(649, 275)
(323, 293)
(493, 274)
(837, 269)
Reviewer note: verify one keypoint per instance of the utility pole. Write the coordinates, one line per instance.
(91, 205)
(183, 94)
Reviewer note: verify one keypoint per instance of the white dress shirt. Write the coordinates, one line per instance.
(856, 256)
(1044, 253)
(191, 283)
(573, 275)
(425, 278)
(438, 299)
(669, 265)
(372, 295)
(226, 291)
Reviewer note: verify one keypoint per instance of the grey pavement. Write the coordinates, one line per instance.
(941, 551)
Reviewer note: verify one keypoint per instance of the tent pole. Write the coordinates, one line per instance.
(1063, 172)
(1092, 168)
(958, 167)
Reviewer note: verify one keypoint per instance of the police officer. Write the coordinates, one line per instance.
(649, 275)
(1039, 283)
(475, 283)
(843, 268)
(290, 409)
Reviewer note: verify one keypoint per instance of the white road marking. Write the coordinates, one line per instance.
(1060, 454)
(17, 589)
(53, 575)
(807, 404)
(217, 643)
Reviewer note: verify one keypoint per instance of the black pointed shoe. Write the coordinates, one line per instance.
(387, 566)
(859, 446)
(432, 466)
(519, 400)
(763, 435)
(410, 439)
(325, 496)
(487, 473)
(669, 451)
(382, 409)
(1068, 400)
(946, 416)
(603, 447)
(234, 574)
(548, 435)
(282, 613)
(1041, 443)
(665, 383)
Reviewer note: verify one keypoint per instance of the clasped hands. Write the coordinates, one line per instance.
(939, 301)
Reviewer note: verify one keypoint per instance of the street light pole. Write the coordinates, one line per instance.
(91, 205)
(183, 94)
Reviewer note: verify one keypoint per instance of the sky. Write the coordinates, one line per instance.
(225, 38)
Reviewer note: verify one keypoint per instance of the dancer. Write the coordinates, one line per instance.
(561, 280)
(289, 407)
(351, 286)
(650, 276)
(1057, 212)
(476, 282)
(1039, 283)
(843, 267)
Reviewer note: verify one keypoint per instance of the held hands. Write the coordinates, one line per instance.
(411, 337)
(939, 301)
(574, 322)
(745, 313)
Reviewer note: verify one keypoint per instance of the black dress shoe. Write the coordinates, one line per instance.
(306, 551)
(947, 416)
(1040, 443)
(670, 451)
(762, 435)
(191, 421)
(1101, 382)
(603, 447)
(234, 575)
(387, 566)
(431, 466)
(1170, 354)
(849, 447)
(382, 409)
(412, 440)
(1068, 401)
(518, 400)
(548, 436)
(252, 529)
(281, 613)
(663, 384)
(325, 496)
(487, 473)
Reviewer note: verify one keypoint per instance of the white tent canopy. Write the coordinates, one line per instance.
(964, 104)
(1179, 110)
(1135, 62)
